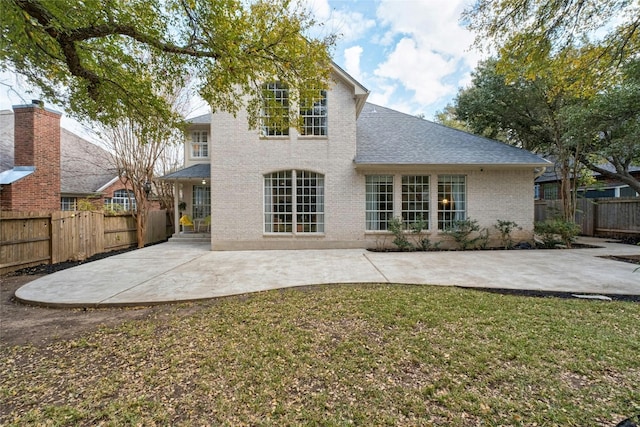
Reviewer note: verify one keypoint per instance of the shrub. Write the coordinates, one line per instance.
(506, 228)
(461, 230)
(396, 227)
(556, 231)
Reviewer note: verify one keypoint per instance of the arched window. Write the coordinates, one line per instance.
(123, 200)
(294, 202)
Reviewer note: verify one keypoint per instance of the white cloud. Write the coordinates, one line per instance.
(352, 61)
(349, 25)
(419, 70)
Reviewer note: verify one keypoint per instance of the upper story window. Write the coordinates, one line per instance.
(313, 116)
(274, 119)
(199, 144)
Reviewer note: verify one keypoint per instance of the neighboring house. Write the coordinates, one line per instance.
(351, 168)
(46, 167)
(547, 185)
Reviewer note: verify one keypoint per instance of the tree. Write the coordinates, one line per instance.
(608, 127)
(528, 32)
(448, 117)
(525, 113)
(85, 55)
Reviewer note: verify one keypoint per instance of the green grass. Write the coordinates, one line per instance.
(341, 355)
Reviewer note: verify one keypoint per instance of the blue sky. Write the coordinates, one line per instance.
(412, 55)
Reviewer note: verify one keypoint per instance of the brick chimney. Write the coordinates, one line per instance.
(36, 143)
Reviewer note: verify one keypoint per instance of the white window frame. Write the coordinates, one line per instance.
(379, 202)
(122, 199)
(199, 144)
(275, 117)
(452, 200)
(294, 202)
(69, 203)
(313, 120)
(415, 199)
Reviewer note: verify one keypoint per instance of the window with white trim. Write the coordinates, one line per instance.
(199, 144)
(294, 202)
(452, 200)
(68, 203)
(313, 116)
(201, 201)
(379, 202)
(274, 119)
(122, 200)
(415, 199)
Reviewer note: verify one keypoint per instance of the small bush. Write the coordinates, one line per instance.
(506, 228)
(396, 227)
(556, 231)
(461, 230)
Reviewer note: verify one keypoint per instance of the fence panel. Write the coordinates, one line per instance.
(618, 217)
(25, 240)
(119, 232)
(598, 217)
(34, 238)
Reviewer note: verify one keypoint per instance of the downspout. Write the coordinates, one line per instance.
(538, 173)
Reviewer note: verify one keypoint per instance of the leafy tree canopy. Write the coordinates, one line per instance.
(110, 59)
(529, 32)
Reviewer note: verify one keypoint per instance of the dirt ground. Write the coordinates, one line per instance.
(27, 325)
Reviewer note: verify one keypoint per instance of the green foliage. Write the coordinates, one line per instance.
(86, 205)
(461, 231)
(528, 32)
(111, 59)
(396, 227)
(506, 228)
(556, 231)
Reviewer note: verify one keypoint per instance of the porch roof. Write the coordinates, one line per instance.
(199, 171)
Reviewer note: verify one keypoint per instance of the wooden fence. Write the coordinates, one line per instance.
(28, 238)
(598, 217)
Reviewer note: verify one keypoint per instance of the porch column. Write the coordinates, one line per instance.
(176, 211)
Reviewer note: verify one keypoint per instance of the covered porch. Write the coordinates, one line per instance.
(192, 201)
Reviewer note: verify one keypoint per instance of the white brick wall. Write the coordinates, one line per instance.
(240, 159)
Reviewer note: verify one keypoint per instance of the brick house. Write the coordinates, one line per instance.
(350, 168)
(44, 167)
(547, 185)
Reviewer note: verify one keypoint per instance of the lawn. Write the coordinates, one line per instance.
(341, 355)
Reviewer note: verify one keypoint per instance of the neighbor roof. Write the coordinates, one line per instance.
(388, 137)
(84, 166)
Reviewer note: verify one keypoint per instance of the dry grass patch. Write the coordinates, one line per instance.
(341, 355)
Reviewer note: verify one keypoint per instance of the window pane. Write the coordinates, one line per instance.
(415, 200)
(452, 204)
(123, 200)
(309, 202)
(275, 110)
(313, 115)
(201, 201)
(199, 144)
(379, 201)
(278, 209)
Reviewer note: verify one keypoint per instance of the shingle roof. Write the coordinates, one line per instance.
(199, 171)
(84, 167)
(203, 119)
(385, 136)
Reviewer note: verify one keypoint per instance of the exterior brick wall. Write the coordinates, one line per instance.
(240, 159)
(37, 143)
